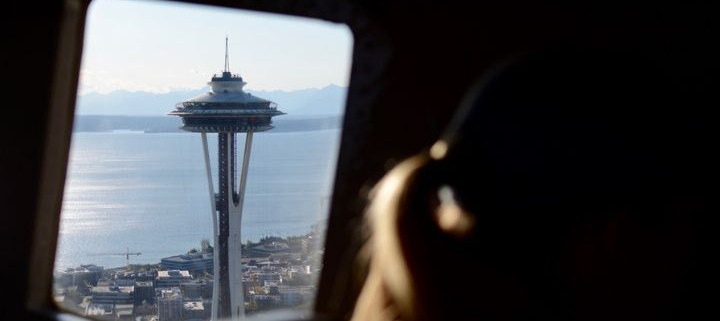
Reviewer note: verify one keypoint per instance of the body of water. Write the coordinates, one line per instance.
(148, 193)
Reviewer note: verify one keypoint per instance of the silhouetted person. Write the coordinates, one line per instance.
(568, 186)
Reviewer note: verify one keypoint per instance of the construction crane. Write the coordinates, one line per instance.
(127, 254)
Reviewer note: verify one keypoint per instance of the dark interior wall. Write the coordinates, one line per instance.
(28, 62)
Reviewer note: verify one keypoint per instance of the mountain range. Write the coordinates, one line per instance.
(307, 109)
(326, 101)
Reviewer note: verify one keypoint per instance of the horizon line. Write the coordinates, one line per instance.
(80, 93)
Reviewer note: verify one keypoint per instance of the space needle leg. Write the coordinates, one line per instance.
(244, 170)
(213, 213)
(237, 290)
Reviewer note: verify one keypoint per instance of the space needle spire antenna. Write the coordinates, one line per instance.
(227, 59)
(227, 110)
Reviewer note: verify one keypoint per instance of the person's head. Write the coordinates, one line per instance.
(564, 187)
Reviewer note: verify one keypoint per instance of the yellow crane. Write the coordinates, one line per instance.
(127, 254)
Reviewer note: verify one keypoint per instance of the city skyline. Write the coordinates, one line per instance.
(162, 46)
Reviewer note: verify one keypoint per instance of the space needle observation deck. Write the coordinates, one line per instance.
(227, 108)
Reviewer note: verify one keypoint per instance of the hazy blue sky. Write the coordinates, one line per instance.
(159, 46)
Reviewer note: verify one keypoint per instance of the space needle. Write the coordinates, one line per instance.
(227, 110)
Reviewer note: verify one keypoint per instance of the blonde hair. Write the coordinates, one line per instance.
(387, 293)
(407, 207)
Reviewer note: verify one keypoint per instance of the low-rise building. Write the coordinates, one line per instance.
(144, 292)
(171, 278)
(196, 263)
(113, 294)
(170, 305)
(194, 310)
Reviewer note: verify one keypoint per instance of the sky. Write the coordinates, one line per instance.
(160, 46)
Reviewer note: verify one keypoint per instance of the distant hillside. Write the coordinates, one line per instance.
(171, 124)
(327, 101)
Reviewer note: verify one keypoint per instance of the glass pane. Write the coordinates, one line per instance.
(203, 154)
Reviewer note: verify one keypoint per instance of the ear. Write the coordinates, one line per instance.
(450, 216)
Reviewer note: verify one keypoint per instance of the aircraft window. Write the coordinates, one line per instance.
(150, 175)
